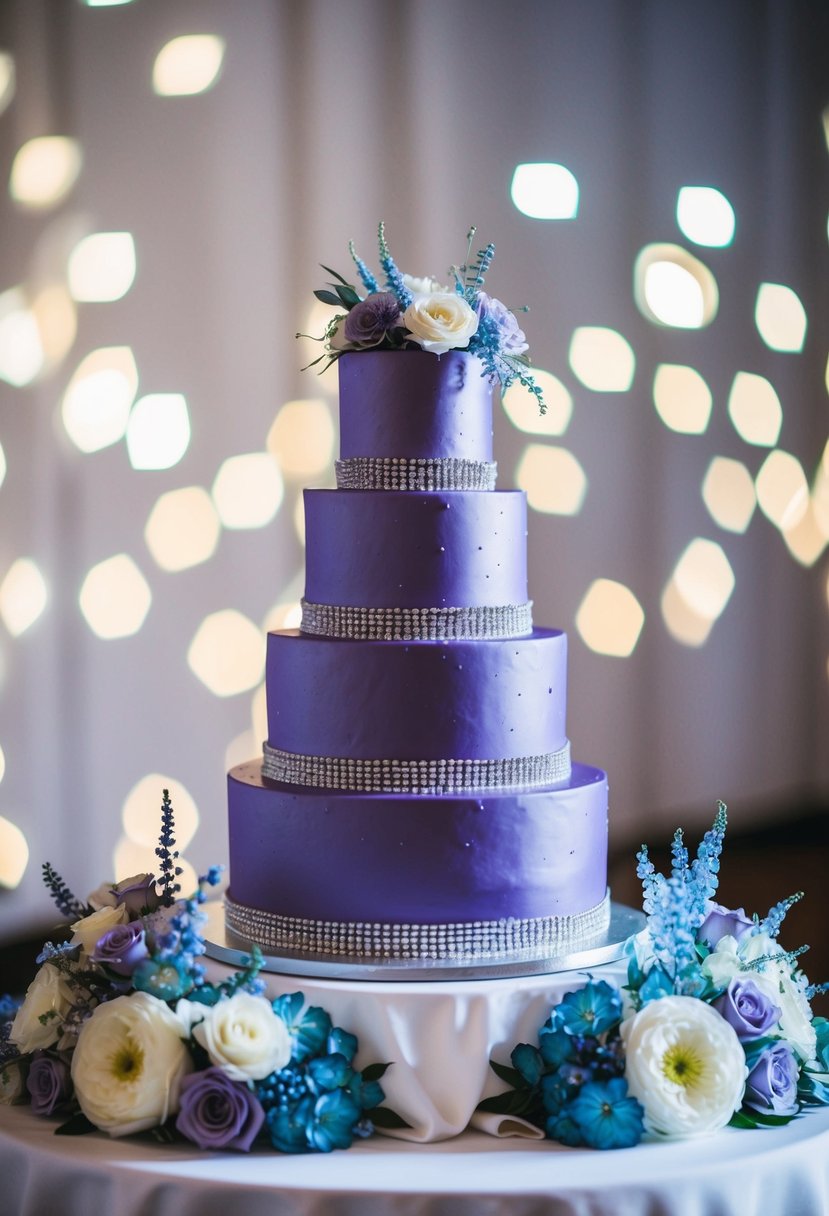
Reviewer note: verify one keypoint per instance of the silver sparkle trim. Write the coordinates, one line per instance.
(415, 624)
(444, 776)
(415, 473)
(512, 937)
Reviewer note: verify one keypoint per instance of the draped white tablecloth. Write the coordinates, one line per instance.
(784, 1172)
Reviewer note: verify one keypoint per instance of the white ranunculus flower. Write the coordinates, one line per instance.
(244, 1037)
(684, 1063)
(440, 322)
(128, 1064)
(87, 932)
(37, 1023)
(780, 986)
(12, 1083)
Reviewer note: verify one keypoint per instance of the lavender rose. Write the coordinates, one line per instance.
(216, 1112)
(771, 1086)
(49, 1084)
(138, 894)
(748, 1009)
(122, 948)
(369, 321)
(723, 922)
(498, 323)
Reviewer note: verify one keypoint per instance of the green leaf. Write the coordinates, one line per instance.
(511, 1075)
(511, 1102)
(373, 1072)
(348, 296)
(78, 1125)
(739, 1119)
(328, 297)
(337, 276)
(767, 1120)
(384, 1116)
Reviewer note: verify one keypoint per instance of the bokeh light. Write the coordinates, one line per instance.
(248, 490)
(188, 64)
(682, 623)
(129, 858)
(521, 406)
(704, 578)
(673, 288)
(545, 191)
(183, 529)
(7, 80)
(141, 810)
(227, 653)
(23, 596)
(115, 597)
(782, 489)
(2, 465)
(755, 409)
(780, 317)
(21, 349)
(705, 216)
(101, 267)
(44, 171)
(301, 438)
(97, 401)
(57, 321)
(610, 618)
(285, 615)
(806, 539)
(259, 714)
(728, 493)
(14, 854)
(602, 359)
(158, 431)
(552, 478)
(2, 764)
(682, 398)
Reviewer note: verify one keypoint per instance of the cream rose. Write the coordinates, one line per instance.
(244, 1037)
(422, 286)
(440, 322)
(38, 1022)
(684, 1063)
(87, 932)
(128, 1064)
(12, 1083)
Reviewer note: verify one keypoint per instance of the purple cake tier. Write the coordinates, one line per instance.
(413, 403)
(391, 548)
(417, 700)
(344, 857)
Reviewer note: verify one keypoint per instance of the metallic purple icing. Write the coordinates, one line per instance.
(344, 856)
(386, 548)
(413, 403)
(417, 700)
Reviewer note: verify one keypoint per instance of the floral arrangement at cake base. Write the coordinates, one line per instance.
(408, 312)
(713, 1027)
(120, 1031)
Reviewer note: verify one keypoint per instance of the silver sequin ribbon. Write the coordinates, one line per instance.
(531, 937)
(416, 624)
(416, 776)
(415, 473)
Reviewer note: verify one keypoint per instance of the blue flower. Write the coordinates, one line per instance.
(606, 1115)
(526, 1059)
(309, 1028)
(555, 1045)
(288, 1126)
(590, 1010)
(554, 1092)
(561, 1127)
(165, 978)
(328, 1073)
(333, 1121)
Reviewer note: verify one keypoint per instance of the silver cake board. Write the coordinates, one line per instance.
(224, 946)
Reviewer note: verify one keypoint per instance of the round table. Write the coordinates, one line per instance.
(780, 1172)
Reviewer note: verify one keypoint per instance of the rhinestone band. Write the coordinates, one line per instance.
(537, 937)
(414, 624)
(415, 473)
(416, 776)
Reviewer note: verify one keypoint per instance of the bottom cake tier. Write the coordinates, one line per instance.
(518, 874)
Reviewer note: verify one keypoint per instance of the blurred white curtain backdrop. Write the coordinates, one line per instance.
(326, 116)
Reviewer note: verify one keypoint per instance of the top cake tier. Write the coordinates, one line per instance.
(439, 409)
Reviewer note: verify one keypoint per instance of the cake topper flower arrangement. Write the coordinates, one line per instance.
(405, 313)
(714, 1026)
(121, 1031)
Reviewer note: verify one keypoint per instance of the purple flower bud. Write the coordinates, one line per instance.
(137, 893)
(723, 922)
(216, 1112)
(122, 948)
(49, 1083)
(771, 1086)
(369, 321)
(748, 1009)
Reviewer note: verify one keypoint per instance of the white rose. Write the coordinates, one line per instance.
(684, 1063)
(86, 933)
(423, 286)
(441, 321)
(786, 990)
(244, 1037)
(723, 963)
(128, 1064)
(12, 1083)
(37, 1023)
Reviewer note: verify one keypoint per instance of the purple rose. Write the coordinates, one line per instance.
(498, 323)
(748, 1009)
(771, 1086)
(216, 1112)
(723, 922)
(369, 321)
(122, 948)
(49, 1082)
(137, 893)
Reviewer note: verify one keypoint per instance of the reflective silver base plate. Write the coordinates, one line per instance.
(225, 947)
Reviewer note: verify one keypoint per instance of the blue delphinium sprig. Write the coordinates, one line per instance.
(167, 853)
(773, 920)
(394, 279)
(67, 904)
(366, 277)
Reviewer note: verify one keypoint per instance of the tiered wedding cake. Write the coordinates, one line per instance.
(416, 800)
